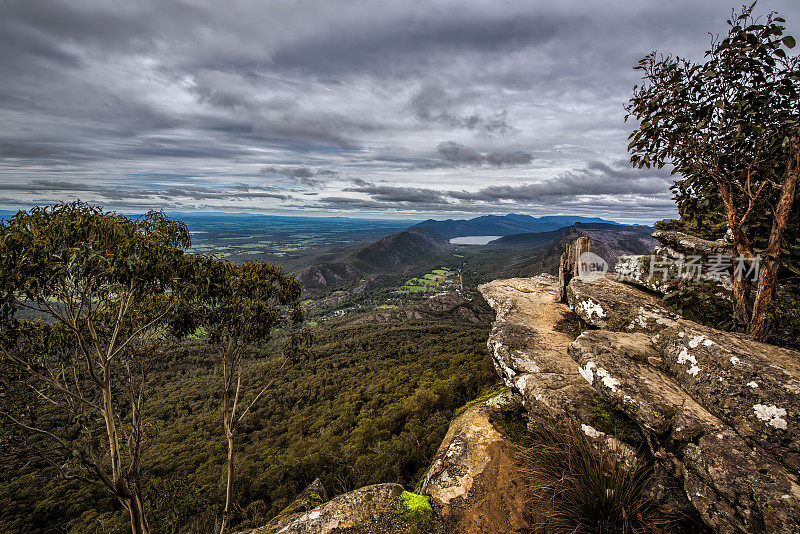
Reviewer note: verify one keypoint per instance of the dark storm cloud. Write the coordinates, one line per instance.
(149, 101)
(595, 187)
(458, 153)
(301, 175)
(387, 193)
(168, 192)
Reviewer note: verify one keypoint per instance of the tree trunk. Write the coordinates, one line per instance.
(226, 514)
(740, 293)
(742, 246)
(136, 509)
(759, 323)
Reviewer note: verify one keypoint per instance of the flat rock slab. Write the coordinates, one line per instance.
(474, 482)
(529, 341)
(612, 305)
(641, 271)
(369, 509)
(736, 487)
(753, 387)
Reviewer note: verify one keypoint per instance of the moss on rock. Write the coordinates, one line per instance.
(416, 511)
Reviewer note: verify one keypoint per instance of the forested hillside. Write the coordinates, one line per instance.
(370, 405)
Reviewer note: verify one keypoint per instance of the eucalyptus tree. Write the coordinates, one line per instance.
(85, 299)
(237, 307)
(730, 127)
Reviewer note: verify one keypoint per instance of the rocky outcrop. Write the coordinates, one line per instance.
(569, 263)
(677, 243)
(753, 387)
(736, 487)
(529, 341)
(608, 304)
(655, 273)
(720, 413)
(474, 482)
(371, 509)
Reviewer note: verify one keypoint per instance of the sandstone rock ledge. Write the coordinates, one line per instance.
(473, 486)
(720, 413)
(474, 481)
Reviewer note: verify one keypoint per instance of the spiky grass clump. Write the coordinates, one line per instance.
(579, 486)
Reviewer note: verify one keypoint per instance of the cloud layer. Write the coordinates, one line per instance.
(364, 108)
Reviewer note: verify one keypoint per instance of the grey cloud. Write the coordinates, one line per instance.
(387, 193)
(433, 104)
(301, 175)
(458, 153)
(119, 194)
(596, 178)
(597, 187)
(107, 99)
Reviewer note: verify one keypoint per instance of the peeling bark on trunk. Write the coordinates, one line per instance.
(743, 248)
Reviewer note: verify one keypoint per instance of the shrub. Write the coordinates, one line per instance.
(702, 301)
(581, 486)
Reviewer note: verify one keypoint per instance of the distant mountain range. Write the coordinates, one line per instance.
(527, 244)
(502, 225)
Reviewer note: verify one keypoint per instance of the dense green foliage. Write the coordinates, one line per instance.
(237, 305)
(730, 128)
(106, 286)
(371, 405)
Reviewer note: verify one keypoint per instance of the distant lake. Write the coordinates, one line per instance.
(474, 239)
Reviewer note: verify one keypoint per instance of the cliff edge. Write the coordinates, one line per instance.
(719, 412)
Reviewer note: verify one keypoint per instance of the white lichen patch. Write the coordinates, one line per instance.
(792, 387)
(591, 307)
(455, 448)
(685, 357)
(771, 414)
(695, 341)
(521, 383)
(587, 373)
(627, 399)
(592, 432)
(753, 384)
(608, 381)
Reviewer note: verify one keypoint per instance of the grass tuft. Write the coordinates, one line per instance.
(579, 486)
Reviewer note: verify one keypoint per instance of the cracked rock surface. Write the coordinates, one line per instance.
(474, 482)
(720, 413)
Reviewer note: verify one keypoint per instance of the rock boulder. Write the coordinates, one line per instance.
(474, 482)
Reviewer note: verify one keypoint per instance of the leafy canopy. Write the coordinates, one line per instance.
(726, 122)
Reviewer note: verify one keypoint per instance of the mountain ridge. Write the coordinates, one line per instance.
(503, 225)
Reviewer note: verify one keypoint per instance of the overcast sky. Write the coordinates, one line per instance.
(392, 109)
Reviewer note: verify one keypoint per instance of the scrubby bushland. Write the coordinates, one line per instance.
(73, 381)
